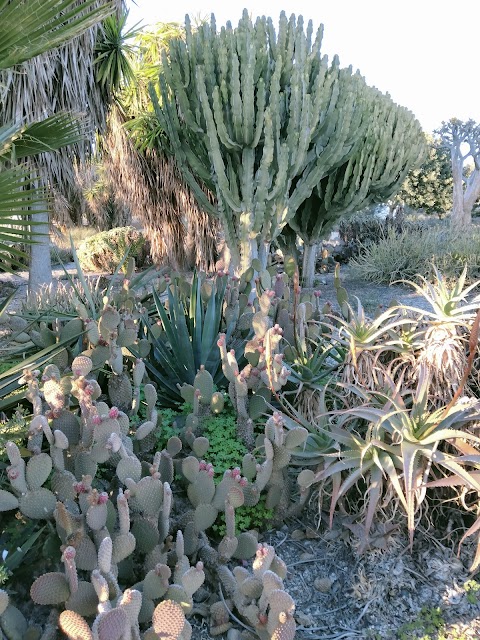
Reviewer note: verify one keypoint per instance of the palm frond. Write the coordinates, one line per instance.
(17, 196)
(31, 27)
(59, 130)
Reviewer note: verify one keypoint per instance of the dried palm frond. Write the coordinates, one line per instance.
(151, 185)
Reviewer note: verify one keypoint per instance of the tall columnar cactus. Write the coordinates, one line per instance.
(392, 144)
(261, 118)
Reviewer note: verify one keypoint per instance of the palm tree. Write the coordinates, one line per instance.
(145, 175)
(38, 82)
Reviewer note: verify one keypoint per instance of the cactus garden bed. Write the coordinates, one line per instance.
(157, 482)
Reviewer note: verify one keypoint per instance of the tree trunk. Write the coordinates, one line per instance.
(40, 263)
(309, 263)
(263, 252)
(463, 199)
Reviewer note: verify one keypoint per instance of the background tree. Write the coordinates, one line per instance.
(28, 30)
(389, 147)
(261, 118)
(146, 178)
(463, 141)
(428, 188)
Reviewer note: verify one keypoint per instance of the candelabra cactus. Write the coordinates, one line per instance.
(273, 118)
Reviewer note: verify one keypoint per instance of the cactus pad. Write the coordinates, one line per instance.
(74, 626)
(38, 470)
(38, 504)
(168, 620)
(7, 501)
(50, 588)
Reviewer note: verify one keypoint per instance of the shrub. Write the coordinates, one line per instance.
(362, 230)
(103, 251)
(404, 254)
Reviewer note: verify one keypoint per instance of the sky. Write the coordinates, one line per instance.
(424, 53)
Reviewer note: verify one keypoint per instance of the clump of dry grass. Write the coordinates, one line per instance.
(404, 254)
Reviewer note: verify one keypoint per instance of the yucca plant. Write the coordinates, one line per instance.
(114, 53)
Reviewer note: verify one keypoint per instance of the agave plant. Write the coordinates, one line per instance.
(186, 336)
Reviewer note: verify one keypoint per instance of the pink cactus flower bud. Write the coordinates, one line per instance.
(113, 413)
(243, 482)
(103, 497)
(270, 293)
(96, 420)
(197, 393)
(89, 389)
(12, 473)
(317, 294)
(69, 554)
(210, 473)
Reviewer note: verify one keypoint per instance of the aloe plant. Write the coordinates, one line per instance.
(396, 439)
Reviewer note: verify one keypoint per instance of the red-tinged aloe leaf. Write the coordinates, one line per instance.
(410, 452)
(336, 482)
(338, 467)
(394, 449)
(390, 470)
(476, 559)
(450, 464)
(465, 448)
(354, 477)
(452, 481)
(448, 434)
(374, 493)
(470, 532)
